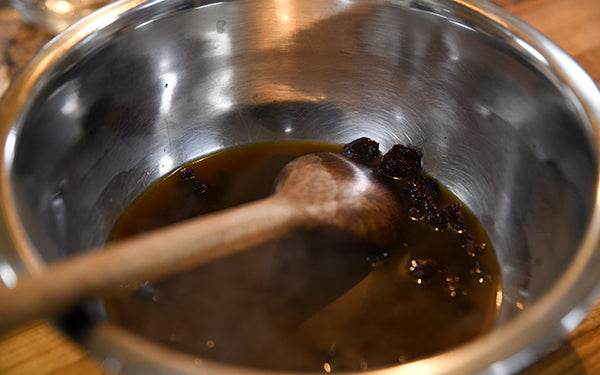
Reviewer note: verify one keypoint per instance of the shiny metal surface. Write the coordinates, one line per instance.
(506, 120)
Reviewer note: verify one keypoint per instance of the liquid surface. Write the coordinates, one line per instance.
(317, 301)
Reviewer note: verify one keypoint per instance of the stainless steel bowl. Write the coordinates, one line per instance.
(506, 119)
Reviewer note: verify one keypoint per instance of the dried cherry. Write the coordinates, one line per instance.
(455, 217)
(422, 188)
(363, 150)
(422, 269)
(400, 161)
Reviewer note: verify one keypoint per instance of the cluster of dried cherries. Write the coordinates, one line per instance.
(405, 162)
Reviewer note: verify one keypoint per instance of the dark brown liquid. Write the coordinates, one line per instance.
(317, 301)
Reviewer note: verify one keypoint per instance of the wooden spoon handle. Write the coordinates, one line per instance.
(190, 243)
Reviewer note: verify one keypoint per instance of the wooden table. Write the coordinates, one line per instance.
(38, 349)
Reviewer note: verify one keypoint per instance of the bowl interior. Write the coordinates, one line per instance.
(165, 84)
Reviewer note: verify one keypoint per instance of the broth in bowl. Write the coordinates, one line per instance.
(318, 300)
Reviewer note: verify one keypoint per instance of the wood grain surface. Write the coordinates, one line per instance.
(38, 349)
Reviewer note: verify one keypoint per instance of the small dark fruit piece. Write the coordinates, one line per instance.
(422, 269)
(455, 217)
(455, 286)
(471, 246)
(436, 218)
(188, 178)
(187, 174)
(400, 161)
(363, 150)
(423, 189)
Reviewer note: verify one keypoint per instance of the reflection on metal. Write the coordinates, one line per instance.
(7, 275)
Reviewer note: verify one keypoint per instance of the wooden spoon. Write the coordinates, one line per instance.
(319, 189)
